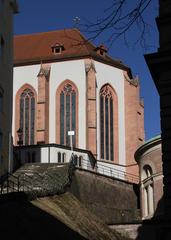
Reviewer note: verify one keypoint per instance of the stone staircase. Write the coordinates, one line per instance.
(39, 179)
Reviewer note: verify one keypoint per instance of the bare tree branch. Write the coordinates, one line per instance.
(120, 19)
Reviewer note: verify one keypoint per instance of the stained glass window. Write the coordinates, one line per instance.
(107, 127)
(111, 129)
(102, 126)
(27, 116)
(106, 123)
(67, 114)
(26, 121)
(62, 117)
(73, 115)
(68, 128)
(32, 119)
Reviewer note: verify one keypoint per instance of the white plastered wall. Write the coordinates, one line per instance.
(74, 71)
(24, 75)
(113, 76)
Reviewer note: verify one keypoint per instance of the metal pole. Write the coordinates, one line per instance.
(71, 145)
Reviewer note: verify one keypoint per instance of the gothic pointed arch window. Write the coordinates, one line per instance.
(107, 123)
(27, 116)
(67, 105)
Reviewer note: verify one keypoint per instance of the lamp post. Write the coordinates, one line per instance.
(71, 133)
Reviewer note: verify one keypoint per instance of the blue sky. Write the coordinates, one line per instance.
(41, 16)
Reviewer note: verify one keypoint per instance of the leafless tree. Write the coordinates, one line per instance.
(119, 19)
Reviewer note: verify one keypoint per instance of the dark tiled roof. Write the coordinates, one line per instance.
(33, 48)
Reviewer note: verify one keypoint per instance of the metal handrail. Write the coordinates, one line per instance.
(24, 183)
(113, 172)
(16, 186)
(99, 163)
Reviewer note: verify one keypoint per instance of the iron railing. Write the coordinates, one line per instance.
(109, 171)
(11, 183)
(36, 185)
(24, 182)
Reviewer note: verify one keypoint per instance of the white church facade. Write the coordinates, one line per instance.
(64, 83)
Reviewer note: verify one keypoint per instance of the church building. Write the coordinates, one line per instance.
(63, 83)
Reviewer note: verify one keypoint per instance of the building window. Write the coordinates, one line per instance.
(59, 157)
(67, 114)
(63, 157)
(106, 123)
(75, 160)
(57, 48)
(27, 116)
(148, 195)
(80, 161)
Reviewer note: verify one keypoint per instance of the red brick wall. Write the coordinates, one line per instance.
(91, 121)
(134, 124)
(43, 109)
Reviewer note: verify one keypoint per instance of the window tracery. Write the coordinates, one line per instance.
(67, 114)
(106, 123)
(27, 116)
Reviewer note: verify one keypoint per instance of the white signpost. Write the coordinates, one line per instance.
(71, 133)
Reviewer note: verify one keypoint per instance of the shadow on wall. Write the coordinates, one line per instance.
(30, 155)
(137, 193)
(111, 200)
(154, 228)
(22, 220)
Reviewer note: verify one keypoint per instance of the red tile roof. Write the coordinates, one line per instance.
(33, 48)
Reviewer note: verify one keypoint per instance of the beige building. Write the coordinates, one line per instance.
(7, 9)
(149, 159)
